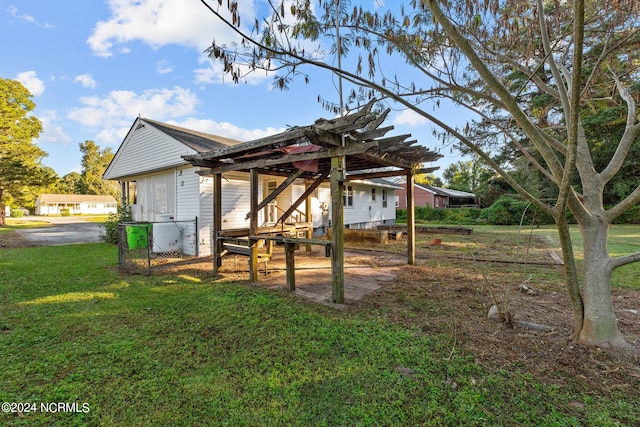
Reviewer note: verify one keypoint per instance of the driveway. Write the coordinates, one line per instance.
(62, 231)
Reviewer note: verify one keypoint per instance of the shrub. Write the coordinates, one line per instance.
(632, 216)
(65, 212)
(509, 211)
(505, 211)
(109, 232)
(462, 215)
(502, 212)
(17, 213)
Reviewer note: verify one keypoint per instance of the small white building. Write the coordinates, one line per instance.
(161, 186)
(76, 204)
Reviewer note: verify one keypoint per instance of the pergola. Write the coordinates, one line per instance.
(351, 147)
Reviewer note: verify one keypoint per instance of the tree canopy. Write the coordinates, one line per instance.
(19, 157)
(94, 162)
(529, 73)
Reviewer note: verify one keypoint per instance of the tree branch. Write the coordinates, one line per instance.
(511, 104)
(623, 260)
(631, 131)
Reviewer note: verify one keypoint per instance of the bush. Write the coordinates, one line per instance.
(17, 213)
(65, 212)
(510, 211)
(505, 211)
(632, 216)
(462, 216)
(109, 231)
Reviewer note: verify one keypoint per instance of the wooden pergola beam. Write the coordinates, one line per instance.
(351, 149)
(337, 230)
(386, 159)
(310, 189)
(370, 134)
(388, 173)
(277, 191)
(253, 225)
(286, 138)
(411, 223)
(217, 222)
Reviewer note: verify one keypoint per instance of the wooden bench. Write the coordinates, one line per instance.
(245, 250)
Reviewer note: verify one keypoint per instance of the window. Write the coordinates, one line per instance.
(373, 194)
(347, 197)
(384, 197)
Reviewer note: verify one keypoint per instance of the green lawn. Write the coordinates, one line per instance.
(182, 350)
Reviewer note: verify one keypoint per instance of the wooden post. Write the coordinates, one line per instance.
(309, 219)
(411, 223)
(290, 250)
(253, 225)
(216, 245)
(337, 230)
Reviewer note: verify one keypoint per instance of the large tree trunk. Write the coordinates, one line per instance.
(600, 326)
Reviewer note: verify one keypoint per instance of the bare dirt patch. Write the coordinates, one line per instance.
(12, 239)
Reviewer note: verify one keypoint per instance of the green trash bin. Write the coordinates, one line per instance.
(137, 235)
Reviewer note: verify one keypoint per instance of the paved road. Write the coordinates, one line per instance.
(62, 231)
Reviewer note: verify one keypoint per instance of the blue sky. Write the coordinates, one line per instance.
(94, 66)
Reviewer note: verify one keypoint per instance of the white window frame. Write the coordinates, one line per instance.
(347, 196)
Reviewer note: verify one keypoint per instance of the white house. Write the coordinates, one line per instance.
(161, 186)
(76, 204)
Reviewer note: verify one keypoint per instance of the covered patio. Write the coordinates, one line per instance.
(351, 147)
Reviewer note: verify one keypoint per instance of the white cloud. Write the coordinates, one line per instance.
(86, 80)
(13, 11)
(226, 129)
(31, 81)
(51, 132)
(120, 107)
(113, 136)
(164, 67)
(157, 23)
(409, 117)
(214, 74)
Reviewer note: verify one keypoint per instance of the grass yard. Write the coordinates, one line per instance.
(189, 349)
(623, 240)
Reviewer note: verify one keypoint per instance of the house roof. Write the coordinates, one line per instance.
(383, 183)
(447, 192)
(151, 146)
(199, 141)
(75, 198)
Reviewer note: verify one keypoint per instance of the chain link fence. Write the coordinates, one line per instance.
(143, 245)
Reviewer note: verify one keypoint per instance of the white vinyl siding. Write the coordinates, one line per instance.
(187, 194)
(144, 150)
(365, 213)
(205, 222)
